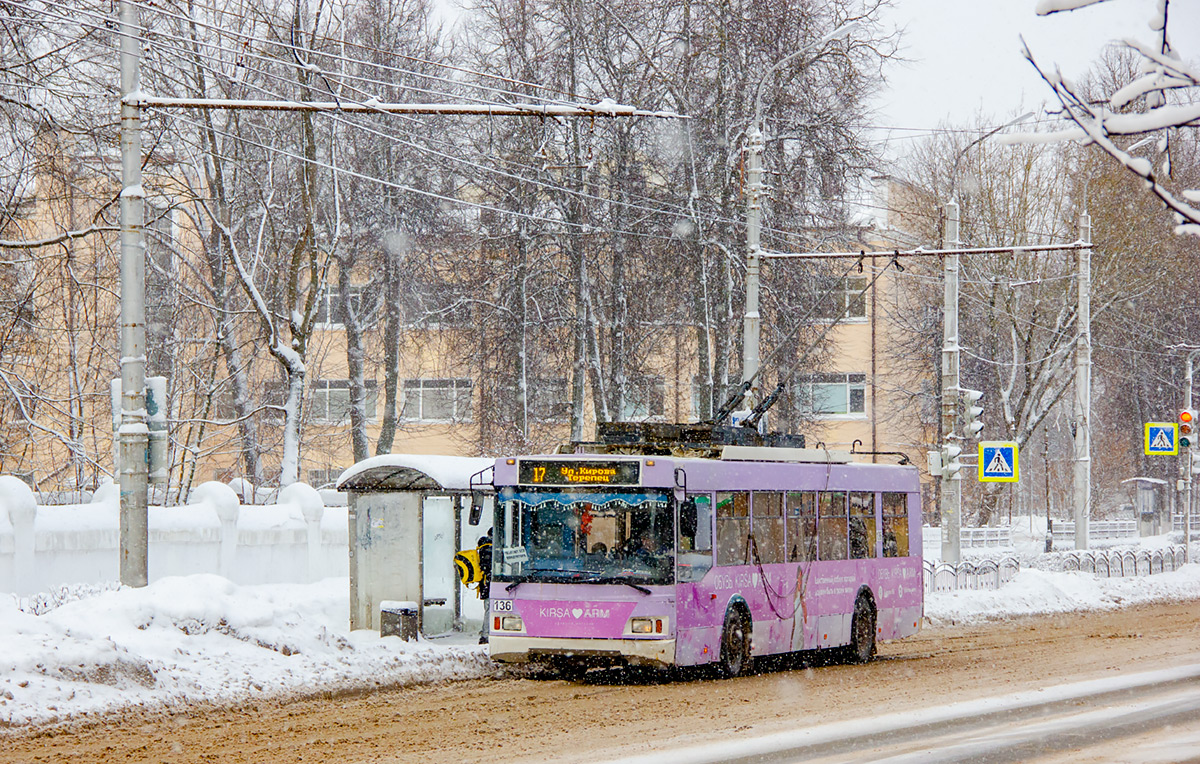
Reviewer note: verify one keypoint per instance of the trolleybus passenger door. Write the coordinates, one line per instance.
(694, 538)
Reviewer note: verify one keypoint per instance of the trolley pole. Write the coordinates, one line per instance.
(1083, 388)
(951, 499)
(133, 432)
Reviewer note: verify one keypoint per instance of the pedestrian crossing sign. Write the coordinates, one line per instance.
(998, 461)
(1162, 438)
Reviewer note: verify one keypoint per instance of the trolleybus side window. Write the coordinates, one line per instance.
(733, 527)
(895, 524)
(831, 525)
(768, 526)
(694, 557)
(862, 525)
(802, 526)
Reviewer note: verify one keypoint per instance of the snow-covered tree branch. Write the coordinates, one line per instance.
(1155, 105)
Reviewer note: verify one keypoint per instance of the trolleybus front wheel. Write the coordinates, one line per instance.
(735, 645)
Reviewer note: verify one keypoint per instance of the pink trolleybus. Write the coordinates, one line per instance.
(665, 561)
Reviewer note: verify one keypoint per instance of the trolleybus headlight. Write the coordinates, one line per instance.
(646, 626)
(511, 623)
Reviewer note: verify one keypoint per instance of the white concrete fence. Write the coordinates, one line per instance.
(295, 540)
(1064, 533)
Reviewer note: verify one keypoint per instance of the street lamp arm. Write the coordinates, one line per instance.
(836, 34)
(962, 153)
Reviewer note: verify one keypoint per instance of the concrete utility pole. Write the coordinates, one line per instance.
(752, 321)
(133, 432)
(951, 501)
(1083, 388)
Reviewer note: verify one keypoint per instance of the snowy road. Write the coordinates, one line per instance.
(1146, 716)
(613, 716)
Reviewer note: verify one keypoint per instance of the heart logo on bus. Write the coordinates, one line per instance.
(577, 612)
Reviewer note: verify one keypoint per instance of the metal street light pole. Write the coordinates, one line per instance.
(1188, 462)
(752, 321)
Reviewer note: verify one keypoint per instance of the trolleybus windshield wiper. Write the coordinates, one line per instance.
(613, 580)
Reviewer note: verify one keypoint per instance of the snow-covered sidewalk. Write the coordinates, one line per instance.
(202, 639)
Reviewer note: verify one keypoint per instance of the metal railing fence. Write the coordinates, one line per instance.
(1103, 563)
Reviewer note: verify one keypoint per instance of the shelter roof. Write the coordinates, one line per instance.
(412, 472)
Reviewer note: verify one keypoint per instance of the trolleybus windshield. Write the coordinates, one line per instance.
(583, 536)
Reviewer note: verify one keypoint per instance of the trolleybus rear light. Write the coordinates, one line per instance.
(496, 623)
(658, 626)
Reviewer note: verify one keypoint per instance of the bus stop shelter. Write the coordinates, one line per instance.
(406, 515)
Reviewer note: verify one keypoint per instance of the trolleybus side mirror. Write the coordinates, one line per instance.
(476, 508)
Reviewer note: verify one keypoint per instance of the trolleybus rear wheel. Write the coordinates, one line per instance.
(862, 631)
(735, 645)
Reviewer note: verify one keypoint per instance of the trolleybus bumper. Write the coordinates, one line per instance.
(635, 652)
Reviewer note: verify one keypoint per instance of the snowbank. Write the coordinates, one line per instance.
(196, 639)
(1036, 592)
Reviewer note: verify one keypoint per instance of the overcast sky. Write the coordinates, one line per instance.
(966, 54)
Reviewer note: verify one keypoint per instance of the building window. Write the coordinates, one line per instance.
(328, 315)
(331, 400)
(645, 397)
(833, 395)
(848, 296)
(324, 478)
(436, 400)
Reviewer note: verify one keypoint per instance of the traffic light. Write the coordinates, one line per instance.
(971, 413)
(950, 463)
(1187, 427)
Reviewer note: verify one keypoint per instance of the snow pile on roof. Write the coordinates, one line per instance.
(450, 472)
(199, 638)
